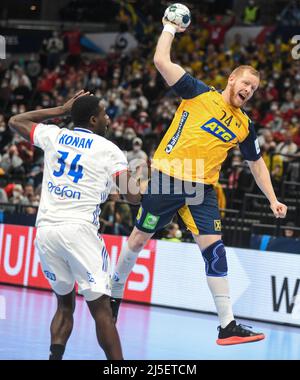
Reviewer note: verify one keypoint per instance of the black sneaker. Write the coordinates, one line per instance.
(115, 304)
(237, 334)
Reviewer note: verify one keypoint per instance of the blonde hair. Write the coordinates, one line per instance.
(240, 69)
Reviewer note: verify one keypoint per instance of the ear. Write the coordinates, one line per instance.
(231, 79)
(93, 120)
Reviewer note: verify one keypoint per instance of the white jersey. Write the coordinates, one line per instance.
(78, 170)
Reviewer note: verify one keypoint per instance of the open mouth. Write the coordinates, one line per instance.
(242, 97)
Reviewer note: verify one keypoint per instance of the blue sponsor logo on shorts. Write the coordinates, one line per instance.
(219, 130)
(90, 277)
(175, 138)
(63, 191)
(50, 275)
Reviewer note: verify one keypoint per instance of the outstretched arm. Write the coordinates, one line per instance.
(23, 123)
(170, 71)
(262, 178)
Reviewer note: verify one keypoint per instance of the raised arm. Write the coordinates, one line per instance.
(170, 71)
(24, 122)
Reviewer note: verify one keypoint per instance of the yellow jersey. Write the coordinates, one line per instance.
(203, 130)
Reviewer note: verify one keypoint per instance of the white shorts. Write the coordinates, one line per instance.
(74, 252)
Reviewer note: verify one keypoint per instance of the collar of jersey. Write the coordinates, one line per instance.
(82, 130)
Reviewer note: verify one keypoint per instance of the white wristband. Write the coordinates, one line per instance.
(170, 28)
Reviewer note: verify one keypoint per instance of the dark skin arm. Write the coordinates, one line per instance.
(23, 123)
(129, 187)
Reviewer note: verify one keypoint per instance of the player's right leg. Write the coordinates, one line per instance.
(62, 324)
(61, 280)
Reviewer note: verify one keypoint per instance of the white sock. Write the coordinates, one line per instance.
(123, 268)
(219, 288)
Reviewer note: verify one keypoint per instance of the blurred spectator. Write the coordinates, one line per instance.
(218, 27)
(47, 81)
(289, 231)
(116, 217)
(11, 162)
(94, 82)
(235, 169)
(16, 196)
(128, 136)
(274, 163)
(72, 38)
(35, 174)
(112, 107)
(143, 125)
(5, 91)
(28, 192)
(107, 217)
(266, 141)
(136, 157)
(5, 134)
(3, 196)
(293, 170)
(251, 13)
(19, 78)
(25, 151)
(54, 47)
(31, 210)
(288, 103)
(33, 67)
(172, 233)
(287, 147)
(123, 219)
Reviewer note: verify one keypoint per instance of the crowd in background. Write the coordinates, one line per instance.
(141, 13)
(141, 106)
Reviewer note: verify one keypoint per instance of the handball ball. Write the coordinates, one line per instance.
(178, 14)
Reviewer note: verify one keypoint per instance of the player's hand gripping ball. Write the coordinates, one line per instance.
(179, 15)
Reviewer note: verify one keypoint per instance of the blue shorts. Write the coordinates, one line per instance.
(158, 207)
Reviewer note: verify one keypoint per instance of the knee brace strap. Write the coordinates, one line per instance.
(215, 260)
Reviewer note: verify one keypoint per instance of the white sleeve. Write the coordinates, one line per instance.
(118, 161)
(42, 134)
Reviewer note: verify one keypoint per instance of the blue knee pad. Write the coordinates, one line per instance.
(215, 260)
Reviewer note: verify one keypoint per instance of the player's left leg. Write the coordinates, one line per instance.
(128, 257)
(62, 324)
(203, 220)
(107, 334)
(214, 255)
